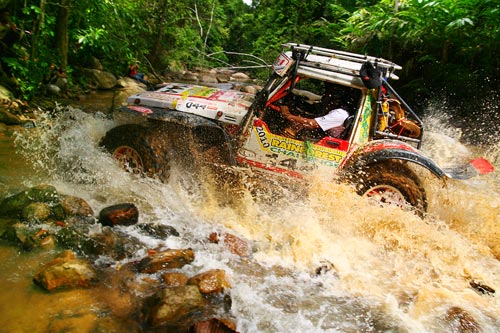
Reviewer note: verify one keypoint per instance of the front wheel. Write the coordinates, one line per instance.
(392, 183)
(139, 150)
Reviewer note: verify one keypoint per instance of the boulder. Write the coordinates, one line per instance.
(482, 288)
(66, 271)
(8, 118)
(172, 305)
(14, 205)
(109, 242)
(240, 77)
(74, 206)
(249, 89)
(101, 79)
(208, 78)
(214, 325)
(159, 231)
(53, 90)
(5, 223)
(234, 244)
(42, 202)
(5, 94)
(173, 279)
(21, 235)
(121, 214)
(121, 95)
(189, 76)
(461, 321)
(223, 76)
(212, 281)
(36, 212)
(171, 258)
(96, 64)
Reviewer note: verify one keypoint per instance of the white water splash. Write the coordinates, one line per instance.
(388, 270)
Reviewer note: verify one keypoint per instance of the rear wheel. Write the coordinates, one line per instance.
(139, 150)
(392, 183)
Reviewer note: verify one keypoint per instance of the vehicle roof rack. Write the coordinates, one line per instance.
(353, 57)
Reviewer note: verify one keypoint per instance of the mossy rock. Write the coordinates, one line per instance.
(5, 223)
(21, 235)
(13, 206)
(36, 212)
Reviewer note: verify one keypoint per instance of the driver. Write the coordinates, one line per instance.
(332, 123)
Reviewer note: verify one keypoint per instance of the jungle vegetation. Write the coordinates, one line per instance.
(445, 46)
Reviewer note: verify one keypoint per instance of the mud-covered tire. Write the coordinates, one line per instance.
(392, 183)
(139, 150)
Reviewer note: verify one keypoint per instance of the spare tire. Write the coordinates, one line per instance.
(140, 150)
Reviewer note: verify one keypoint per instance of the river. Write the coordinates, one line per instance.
(387, 270)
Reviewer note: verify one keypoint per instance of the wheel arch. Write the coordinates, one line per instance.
(384, 153)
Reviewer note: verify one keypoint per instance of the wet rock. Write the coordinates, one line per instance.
(481, 287)
(74, 206)
(224, 75)
(461, 321)
(172, 306)
(172, 258)
(36, 212)
(43, 202)
(5, 223)
(9, 118)
(326, 267)
(28, 238)
(5, 94)
(109, 242)
(175, 279)
(212, 281)
(20, 234)
(53, 90)
(116, 244)
(214, 325)
(189, 76)
(240, 77)
(46, 241)
(139, 285)
(66, 271)
(101, 79)
(159, 231)
(208, 78)
(129, 87)
(82, 322)
(96, 64)
(234, 244)
(76, 238)
(14, 205)
(249, 89)
(121, 214)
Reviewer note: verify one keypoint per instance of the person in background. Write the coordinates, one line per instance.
(133, 72)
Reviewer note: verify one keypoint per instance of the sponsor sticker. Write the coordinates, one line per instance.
(140, 109)
(282, 63)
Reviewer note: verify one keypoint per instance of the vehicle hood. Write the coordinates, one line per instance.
(224, 105)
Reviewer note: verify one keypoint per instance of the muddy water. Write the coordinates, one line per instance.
(386, 270)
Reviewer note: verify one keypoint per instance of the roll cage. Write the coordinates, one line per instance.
(391, 117)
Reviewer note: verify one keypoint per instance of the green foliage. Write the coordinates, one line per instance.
(437, 42)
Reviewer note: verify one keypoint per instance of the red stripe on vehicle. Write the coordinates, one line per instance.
(263, 166)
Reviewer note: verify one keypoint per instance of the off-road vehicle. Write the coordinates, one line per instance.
(377, 152)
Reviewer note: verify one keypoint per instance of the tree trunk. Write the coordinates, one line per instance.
(37, 27)
(156, 54)
(61, 33)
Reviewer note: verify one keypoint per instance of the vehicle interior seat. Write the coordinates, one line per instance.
(348, 124)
